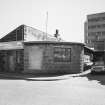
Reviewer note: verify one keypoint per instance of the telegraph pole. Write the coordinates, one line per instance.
(46, 23)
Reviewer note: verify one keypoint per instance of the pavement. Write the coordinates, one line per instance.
(70, 89)
(41, 78)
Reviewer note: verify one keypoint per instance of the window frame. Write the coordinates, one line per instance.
(65, 52)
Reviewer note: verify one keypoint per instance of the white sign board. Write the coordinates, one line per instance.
(11, 45)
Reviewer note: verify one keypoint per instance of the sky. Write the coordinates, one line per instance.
(68, 16)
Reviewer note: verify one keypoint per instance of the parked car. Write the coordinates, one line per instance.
(98, 67)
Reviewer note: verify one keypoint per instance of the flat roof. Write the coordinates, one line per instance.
(53, 42)
(99, 50)
(96, 15)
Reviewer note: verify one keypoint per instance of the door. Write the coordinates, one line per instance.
(35, 57)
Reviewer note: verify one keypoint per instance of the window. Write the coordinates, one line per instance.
(91, 33)
(103, 32)
(97, 19)
(62, 54)
(92, 27)
(94, 19)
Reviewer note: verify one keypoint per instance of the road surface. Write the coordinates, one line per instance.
(85, 90)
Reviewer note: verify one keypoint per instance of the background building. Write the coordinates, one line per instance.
(95, 31)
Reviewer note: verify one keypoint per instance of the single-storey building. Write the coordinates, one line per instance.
(20, 53)
(41, 57)
(53, 57)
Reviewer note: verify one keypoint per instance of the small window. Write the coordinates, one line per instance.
(62, 54)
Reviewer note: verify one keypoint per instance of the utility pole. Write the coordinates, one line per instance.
(46, 23)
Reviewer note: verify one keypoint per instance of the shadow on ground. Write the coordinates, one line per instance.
(98, 77)
(28, 77)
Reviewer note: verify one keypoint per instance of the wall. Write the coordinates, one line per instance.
(33, 56)
(11, 60)
(40, 58)
(73, 66)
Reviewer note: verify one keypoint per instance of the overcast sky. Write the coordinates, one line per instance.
(66, 15)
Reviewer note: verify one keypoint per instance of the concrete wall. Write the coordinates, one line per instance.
(74, 66)
(11, 60)
(33, 56)
(40, 59)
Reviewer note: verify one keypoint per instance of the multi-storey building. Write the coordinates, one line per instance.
(95, 31)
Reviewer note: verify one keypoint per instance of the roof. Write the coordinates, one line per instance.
(52, 42)
(99, 50)
(14, 35)
(96, 15)
(24, 32)
(92, 49)
(88, 49)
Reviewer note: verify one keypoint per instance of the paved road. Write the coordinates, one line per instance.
(85, 90)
